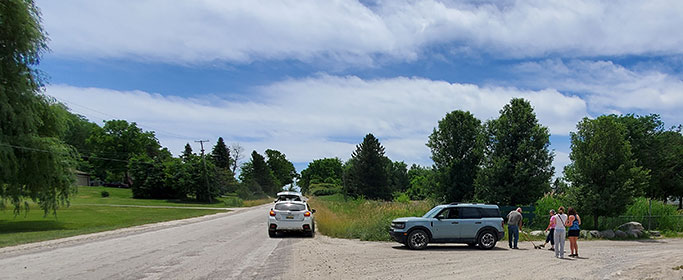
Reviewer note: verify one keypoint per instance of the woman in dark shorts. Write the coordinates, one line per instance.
(573, 223)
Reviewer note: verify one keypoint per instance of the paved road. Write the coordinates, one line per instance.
(225, 246)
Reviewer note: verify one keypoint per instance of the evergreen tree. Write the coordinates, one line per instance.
(603, 174)
(457, 151)
(221, 155)
(366, 172)
(187, 153)
(34, 163)
(517, 165)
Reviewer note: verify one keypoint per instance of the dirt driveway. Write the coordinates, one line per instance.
(331, 258)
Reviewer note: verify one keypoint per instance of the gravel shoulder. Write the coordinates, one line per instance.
(352, 259)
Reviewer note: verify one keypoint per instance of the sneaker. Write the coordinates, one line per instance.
(551, 249)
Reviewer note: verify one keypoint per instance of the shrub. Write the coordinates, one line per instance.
(233, 202)
(401, 197)
(105, 194)
(544, 204)
(323, 189)
(665, 217)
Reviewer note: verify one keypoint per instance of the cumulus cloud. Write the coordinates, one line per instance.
(323, 116)
(608, 87)
(349, 32)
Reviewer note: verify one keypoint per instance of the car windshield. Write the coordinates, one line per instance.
(290, 207)
(432, 212)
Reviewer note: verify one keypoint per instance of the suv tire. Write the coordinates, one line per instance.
(272, 233)
(487, 240)
(417, 239)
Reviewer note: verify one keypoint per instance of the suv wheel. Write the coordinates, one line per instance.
(272, 233)
(417, 239)
(487, 240)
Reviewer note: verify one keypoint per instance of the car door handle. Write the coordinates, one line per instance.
(455, 223)
(477, 223)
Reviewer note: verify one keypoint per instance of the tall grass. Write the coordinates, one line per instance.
(362, 219)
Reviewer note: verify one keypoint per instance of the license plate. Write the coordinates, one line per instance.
(290, 217)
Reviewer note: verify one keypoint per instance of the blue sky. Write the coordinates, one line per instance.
(311, 78)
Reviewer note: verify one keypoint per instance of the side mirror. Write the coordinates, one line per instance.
(275, 201)
(312, 210)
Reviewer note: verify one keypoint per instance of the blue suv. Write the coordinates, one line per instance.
(472, 224)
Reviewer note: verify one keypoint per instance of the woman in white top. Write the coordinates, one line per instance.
(560, 232)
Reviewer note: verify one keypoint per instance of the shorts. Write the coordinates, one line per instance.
(573, 232)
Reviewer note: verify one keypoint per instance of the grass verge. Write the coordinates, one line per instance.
(361, 219)
(82, 219)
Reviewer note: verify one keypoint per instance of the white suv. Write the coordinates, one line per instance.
(291, 216)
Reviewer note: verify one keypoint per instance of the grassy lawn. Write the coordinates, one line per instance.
(81, 219)
(89, 213)
(93, 195)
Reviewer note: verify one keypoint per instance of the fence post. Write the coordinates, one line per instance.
(649, 215)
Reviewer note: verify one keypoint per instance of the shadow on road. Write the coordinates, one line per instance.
(286, 235)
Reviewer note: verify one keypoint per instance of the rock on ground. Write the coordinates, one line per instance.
(620, 234)
(607, 234)
(595, 234)
(631, 226)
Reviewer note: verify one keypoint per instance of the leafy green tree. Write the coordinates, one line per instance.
(148, 177)
(366, 173)
(457, 151)
(517, 165)
(397, 176)
(115, 144)
(34, 163)
(667, 174)
(257, 176)
(326, 170)
(422, 182)
(220, 154)
(603, 174)
(641, 133)
(282, 168)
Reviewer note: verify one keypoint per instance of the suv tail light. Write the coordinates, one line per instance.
(307, 214)
(272, 213)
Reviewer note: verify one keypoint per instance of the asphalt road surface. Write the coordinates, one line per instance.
(233, 245)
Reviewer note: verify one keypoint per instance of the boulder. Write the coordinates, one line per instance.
(594, 234)
(634, 233)
(537, 233)
(620, 234)
(654, 233)
(607, 234)
(583, 233)
(631, 226)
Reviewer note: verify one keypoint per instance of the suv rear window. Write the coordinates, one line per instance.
(469, 213)
(290, 207)
(490, 213)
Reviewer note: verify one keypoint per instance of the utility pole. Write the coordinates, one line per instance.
(206, 179)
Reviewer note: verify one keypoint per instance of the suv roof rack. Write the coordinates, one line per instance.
(455, 203)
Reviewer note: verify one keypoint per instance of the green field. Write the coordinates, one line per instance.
(93, 195)
(81, 219)
(89, 212)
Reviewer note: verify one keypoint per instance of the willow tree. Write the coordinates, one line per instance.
(34, 164)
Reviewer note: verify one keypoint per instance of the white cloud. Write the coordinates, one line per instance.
(346, 31)
(323, 116)
(609, 87)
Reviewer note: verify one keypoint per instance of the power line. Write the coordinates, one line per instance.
(53, 152)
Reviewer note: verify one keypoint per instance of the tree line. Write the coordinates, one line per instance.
(507, 161)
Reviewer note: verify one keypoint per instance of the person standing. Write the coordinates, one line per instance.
(560, 220)
(573, 223)
(551, 226)
(514, 225)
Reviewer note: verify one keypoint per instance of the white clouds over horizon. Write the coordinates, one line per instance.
(323, 116)
(347, 32)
